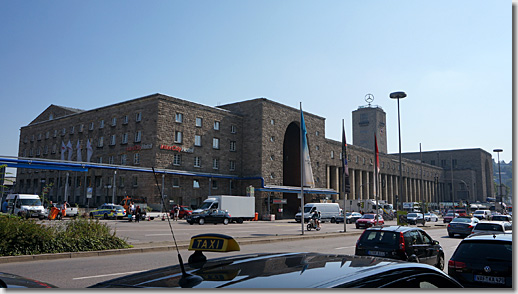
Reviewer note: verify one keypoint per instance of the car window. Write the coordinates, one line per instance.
(484, 251)
(508, 227)
(379, 237)
(489, 227)
(426, 238)
(425, 281)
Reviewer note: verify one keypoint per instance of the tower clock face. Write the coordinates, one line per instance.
(382, 131)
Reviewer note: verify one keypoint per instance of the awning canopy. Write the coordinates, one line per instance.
(296, 190)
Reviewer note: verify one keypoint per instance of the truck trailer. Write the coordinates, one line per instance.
(240, 208)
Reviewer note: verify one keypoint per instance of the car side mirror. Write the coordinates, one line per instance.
(435, 242)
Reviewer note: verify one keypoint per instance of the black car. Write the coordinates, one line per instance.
(283, 270)
(209, 216)
(399, 242)
(484, 260)
(15, 281)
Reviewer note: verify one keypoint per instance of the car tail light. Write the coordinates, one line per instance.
(449, 225)
(401, 242)
(456, 264)
(361, 236)
(112, 211)
(470, 227)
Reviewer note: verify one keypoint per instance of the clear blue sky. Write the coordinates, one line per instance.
(452, 58)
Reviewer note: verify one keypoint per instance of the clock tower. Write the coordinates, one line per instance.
(367, 121)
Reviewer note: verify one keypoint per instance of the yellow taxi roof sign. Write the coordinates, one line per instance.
(213, 243)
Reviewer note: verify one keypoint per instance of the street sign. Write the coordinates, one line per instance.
(89, 192)
(280, 201)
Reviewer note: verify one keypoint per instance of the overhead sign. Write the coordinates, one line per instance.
(280, 201)
(177, 148)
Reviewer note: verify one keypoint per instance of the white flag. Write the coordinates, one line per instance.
(69, 148)
(63, 149)
(89, 151)
(78, 147)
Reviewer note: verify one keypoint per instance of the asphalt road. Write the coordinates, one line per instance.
(86, 271)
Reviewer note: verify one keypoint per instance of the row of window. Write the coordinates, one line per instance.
(81, 127)
(177, 161)
(199, 123)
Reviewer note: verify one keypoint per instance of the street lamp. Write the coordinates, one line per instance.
(500, 179)
(399, 95)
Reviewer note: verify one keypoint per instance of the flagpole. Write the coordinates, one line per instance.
(376, 173)
(301, 174)
(343, 172)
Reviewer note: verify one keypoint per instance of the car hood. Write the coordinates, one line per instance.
(15, 281)
(282, 270)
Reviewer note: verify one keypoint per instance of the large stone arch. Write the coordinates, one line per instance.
(291, 168)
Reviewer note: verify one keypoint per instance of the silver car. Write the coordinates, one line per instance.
(462, 226)
(431, 217)
(493, 227)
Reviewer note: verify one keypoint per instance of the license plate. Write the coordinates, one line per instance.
(376, 253)
(489, 279)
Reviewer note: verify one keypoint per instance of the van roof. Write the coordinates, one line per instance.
(23, 195)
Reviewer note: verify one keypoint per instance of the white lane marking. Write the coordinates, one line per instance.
(345, 247)
(107, 275)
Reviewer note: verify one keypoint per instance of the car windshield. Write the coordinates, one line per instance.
(205, 205)
(119, 207)
(449, 214)
(485, 251)
(368, 216)
(348, 214)
(31, 202)
(489, 227)
(479, 212)
(412, 215)
(461, 220)
(500, 218)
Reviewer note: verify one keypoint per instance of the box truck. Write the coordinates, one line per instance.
(240, 208)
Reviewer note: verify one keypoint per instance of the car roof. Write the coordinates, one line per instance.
(490, 236)
(278, 270)
(393, 228)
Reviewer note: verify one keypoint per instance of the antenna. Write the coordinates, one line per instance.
(187, 280)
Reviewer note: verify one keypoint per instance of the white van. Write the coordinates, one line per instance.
(28, 205)
(328, 211)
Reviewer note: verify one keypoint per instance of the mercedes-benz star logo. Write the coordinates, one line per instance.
(487, 269)
(369, 98)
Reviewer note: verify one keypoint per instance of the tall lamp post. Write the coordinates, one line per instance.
(399, 95)
(499, 199)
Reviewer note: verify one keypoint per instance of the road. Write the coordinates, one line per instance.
(83, 272)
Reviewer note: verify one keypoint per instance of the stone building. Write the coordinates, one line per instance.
(225, 150)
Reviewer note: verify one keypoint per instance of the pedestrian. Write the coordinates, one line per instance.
(4, 206)
(176, 213)
(137, 214)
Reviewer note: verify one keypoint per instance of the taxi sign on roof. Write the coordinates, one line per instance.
(214, 243)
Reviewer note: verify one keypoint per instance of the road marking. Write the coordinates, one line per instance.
(347, 247)
(107, 275)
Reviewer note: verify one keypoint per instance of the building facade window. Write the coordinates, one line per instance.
(81, 128)
(138, 136)
(176, 182)
(178, 137)
(332, 154)
(138, 116)
(136, 158)
(232, 165)
(92, 126)
(124, 139)
(199, 122)
(215, 163)
(177, 160)
(125, 120)
(123, 159)
(233, 129)
(110, 159)
(100, 143)
(216, 125)
(179, 118)
(215, 143)
(197, 140)
(112, 140)
(214, 184)
(101, 124)
(114, 121)
(197, 161)
(195, 183)
(232, 145)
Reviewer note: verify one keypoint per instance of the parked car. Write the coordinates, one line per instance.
(502, 217)
(109, 211)
(483, 261)
(414, 218)
(283, 271)
(18, 282)
(401, 242)
(350, 217)
(431, 217)
(209, 216)
(183, 212)
(493, 227)
(448, 217)
(462, 225)
(482, 214)
(369, 220)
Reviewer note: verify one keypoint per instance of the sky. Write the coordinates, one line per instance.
(452, 58)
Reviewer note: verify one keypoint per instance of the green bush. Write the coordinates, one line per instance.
(27, 237)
